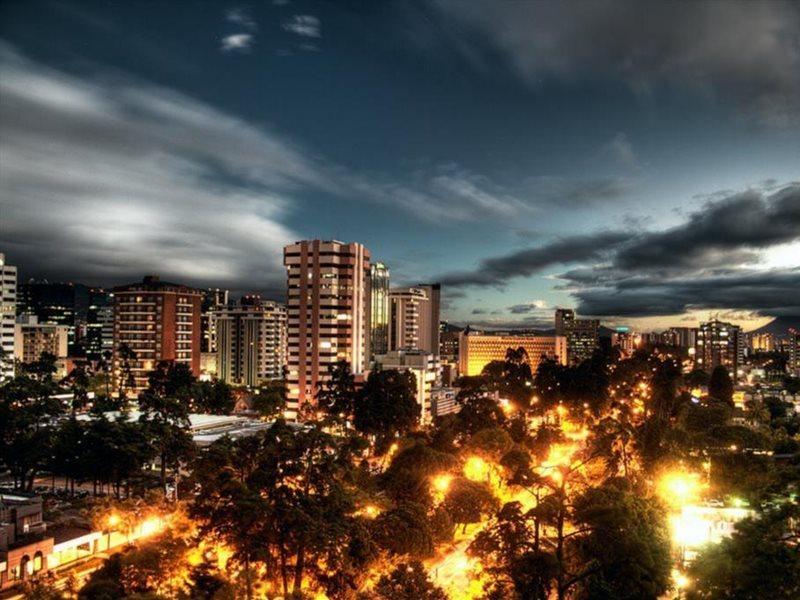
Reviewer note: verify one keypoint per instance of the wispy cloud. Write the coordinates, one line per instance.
(243, 38)
(304, 25)
(240, 42)
(620, 149)
(122, 175)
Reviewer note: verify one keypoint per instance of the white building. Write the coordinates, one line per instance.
(8, 309)
(251, 341)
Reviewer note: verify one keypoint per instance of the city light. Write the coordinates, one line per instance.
(476, 469)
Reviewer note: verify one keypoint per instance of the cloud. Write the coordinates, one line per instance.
(498, 270)
(772, 292)
(123, 177)
(242, 39)
(241, 17)
(745, 52)
(547, 191)
(723, 233)
(241, 42)
(621, 150)
(520, 309)
(304, 26)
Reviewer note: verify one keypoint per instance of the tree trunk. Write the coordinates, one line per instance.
(299, 567)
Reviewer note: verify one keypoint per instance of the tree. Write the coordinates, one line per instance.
(720, 386)
(165, 413)
(479, 409)
(511, 377)
(127, 357)
(408, 581)
(387, 405)
(468, 501)
(213, 397)
(760, 560)
(337, 395)
(269, 400)
(625, 550)
(404, 530)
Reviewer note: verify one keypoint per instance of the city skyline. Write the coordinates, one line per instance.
(639, 187)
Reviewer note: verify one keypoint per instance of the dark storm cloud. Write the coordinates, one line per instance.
(748, 52)
(722, 233)
(773, 293)
(498, 270)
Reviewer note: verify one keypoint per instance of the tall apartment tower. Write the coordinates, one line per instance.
(564, 317)
(328, 309)
(159, 321)
(582, 335)
(8, 311)
(214, 299)
(379, 309)
(718, 343)
(251, 341)
(434, 292)
(409, 319)
(99, 336)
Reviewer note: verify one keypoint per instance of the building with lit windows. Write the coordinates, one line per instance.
(626, 340)
(379, 310)
(62, 303)
(8, 308)
(328, 310)
(33, 338)
(477, 349)
(214, 299)
(409, 318)
(98, 337)
(682, 337)
(251, 341)
(718, 343)
(159, 321)
(429, 340)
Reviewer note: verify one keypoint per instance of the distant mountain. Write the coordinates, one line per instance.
(780, 326)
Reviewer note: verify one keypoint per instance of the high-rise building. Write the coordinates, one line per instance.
(425, 369)
(251, 341)
(564, 316)
(794, 352)
(33, 338)
(430, 342)
(761, 342)
(8, 308)
(159, 321)
(583, 335)
(626, 340)
(682, 337)
(213, 300)
(477, 349)
(99, 336)
(328, 309)
(379, 311)
(448, 342)
(718, 343)
(409, 319)
(59, 303)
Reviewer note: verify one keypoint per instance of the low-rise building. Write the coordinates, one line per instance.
(477, 349)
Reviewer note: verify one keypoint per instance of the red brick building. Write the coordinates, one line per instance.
(159, 321)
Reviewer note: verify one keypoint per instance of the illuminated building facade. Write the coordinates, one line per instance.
(328, 310)
(379, 309)
(718, 343)
(159, 321)
(762, 342)
(251, 341)
(214, 299)
(409, 319)
(627, 341)
(8, 307)
(98, 337)
(59, 303)
(682, 337)
(582, 335)
(33, 338)
(429, 339)
(477, 349)
(794, 351)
